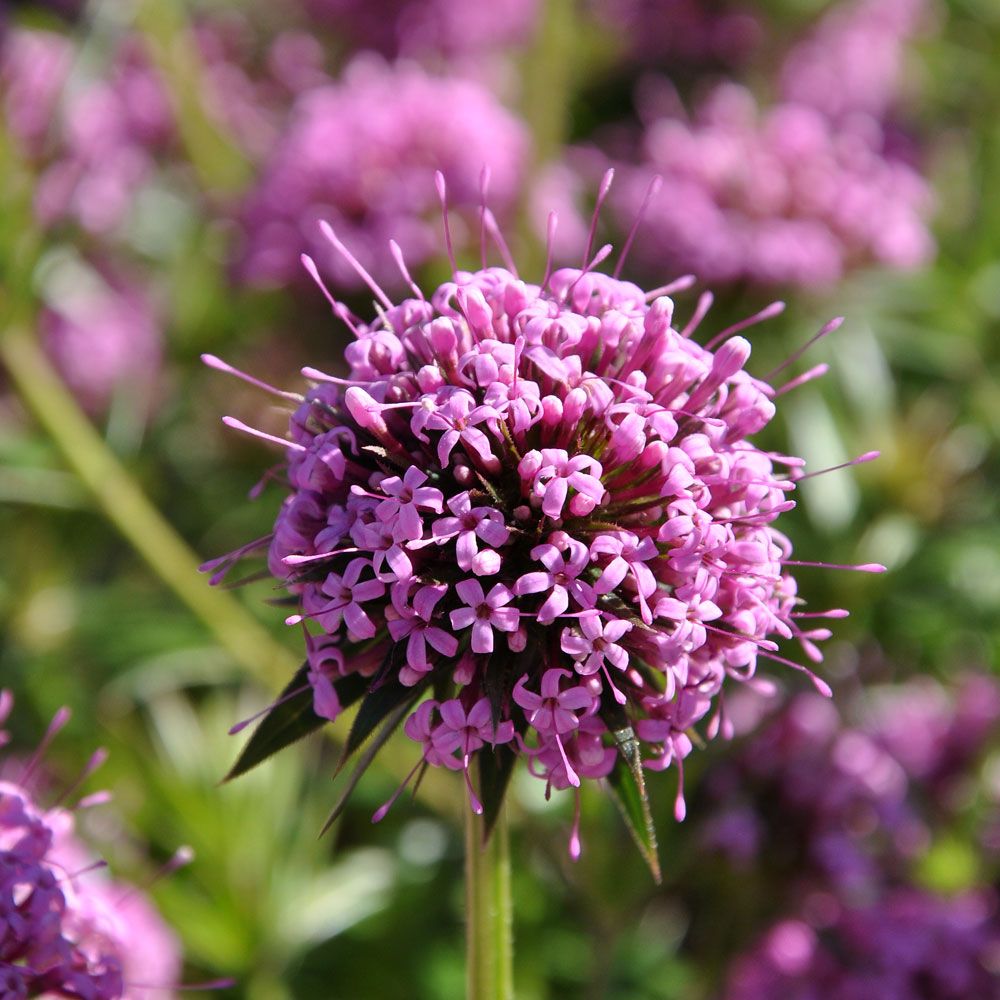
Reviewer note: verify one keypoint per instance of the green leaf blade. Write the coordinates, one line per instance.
(628, 789)
(291, 719)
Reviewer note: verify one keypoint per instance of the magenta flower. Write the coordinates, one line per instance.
(560, 578)
(484, 612)
(596, 643)
(553, 710)
(406, 498)
(468, 527)
(414, 622)
(67, 930)
(776, 195)
(465, 732)
(551, 473)
(590, 465)
(340, 599)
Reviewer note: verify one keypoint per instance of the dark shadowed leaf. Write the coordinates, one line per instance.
(377, 705)
(495, 767)
(392, 720)
(291, 719)
(499, 681)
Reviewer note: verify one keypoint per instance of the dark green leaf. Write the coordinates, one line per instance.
(499, 679)
(495, 767)
(628, 789)
(291, 719)
(377, 705)
(392, 720)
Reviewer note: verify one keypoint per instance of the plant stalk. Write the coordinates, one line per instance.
(488, 910)
(129, 510)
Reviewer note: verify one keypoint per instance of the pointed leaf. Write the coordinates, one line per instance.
(495, 767)
(628, 789)
(392, 721)
(377, 705)
(498, 682)
(291, 719)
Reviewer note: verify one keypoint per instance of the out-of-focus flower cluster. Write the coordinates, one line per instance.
(852, 810)
(777, 196)
(95, 143)
(453, 29)
(801, 191)
(852, 798)
(360, 153)
(659, 33)
(65, 928)
(798, 192)
(908, 945)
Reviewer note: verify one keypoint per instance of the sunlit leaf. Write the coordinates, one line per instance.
(628, 789)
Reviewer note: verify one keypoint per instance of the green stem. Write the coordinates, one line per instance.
(127, 507)
(488, 911)
(215, 155)
(547, 78)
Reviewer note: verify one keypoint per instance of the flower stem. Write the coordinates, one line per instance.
(128, 509)
(488, 911)
(221, 167)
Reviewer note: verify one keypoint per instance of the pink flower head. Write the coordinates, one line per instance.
(65, 929)
(544, 507)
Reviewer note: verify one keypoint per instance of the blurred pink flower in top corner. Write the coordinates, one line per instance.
(361, 154)
(778, 195)
(451, 28)
(853, 61)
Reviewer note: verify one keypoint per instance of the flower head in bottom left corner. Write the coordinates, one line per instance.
(66, 930)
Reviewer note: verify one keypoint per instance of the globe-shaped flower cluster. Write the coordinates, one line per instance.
(534, 512)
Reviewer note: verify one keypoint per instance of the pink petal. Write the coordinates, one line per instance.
(557, 603)
(441, 641)
(554, 497)
(482, 637)
(532, 583)
(471, 591)
(452, 714)
(462, 617)
(358, 623)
